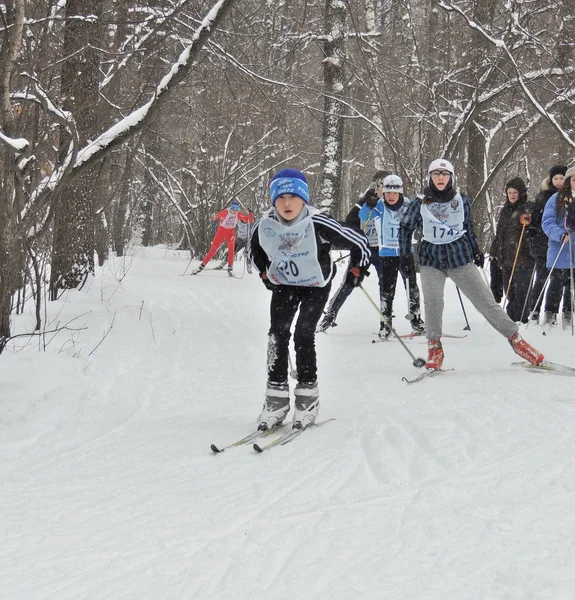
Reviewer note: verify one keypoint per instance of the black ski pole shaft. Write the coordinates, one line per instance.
(571, 283)
(467, 327)
(417, 362)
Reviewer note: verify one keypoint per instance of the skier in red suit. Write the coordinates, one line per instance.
(226, 232)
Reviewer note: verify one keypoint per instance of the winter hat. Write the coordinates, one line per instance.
(440, 164)
(570, 172)
(289, 181)
(235, 205)
(557, 170)
(517, 184)
(393, 183)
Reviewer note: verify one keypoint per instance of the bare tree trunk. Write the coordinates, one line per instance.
(334, 48)
(74, 232)
(10, 247)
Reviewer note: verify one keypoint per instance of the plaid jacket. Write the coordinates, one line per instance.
(441, 256)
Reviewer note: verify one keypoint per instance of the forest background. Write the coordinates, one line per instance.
(135, 121)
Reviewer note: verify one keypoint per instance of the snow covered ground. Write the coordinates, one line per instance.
(461, 487)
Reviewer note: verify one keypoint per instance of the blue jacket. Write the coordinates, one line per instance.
(382, 208)
(554, 228)
(440, 256)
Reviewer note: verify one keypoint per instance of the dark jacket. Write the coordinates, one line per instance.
(508, 233)
(535, 235)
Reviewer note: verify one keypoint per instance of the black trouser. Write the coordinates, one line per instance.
(285, 302)
(346, 288)
(559, 285)
(541, 274)
(517, 292)
(389, 271)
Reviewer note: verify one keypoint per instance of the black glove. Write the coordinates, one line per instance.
(356, 274)
(479, 259)
(269, 285)
(407, 266)
(370, 198)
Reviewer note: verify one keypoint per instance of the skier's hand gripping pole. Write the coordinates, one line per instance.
(417, 362)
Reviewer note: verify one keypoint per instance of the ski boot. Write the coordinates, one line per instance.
(417, 325)
(276, 406)
(435, 355)
(327, 322)
(525, 350)
(230, 271)
(306, 405)
(384, 330)
(198, 270)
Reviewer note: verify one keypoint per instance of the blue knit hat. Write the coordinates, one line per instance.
(289, 181)
(235, 205)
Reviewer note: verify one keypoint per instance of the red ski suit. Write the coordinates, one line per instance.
(226, 232)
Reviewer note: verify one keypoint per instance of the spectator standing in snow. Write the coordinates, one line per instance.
(538, 240)
(391, 209)
(361, 216)
(226, 233)
(557, 228)
(449, 248)
(290, 247)
(510, 249)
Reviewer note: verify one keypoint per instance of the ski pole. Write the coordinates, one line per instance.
(571, 282)
(417, 362)
(514, 264)
(409, 315)
(547, 280)
(467, 327)
(292, 371)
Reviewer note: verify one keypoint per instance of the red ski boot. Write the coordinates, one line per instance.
(525, 350)
(434, 355)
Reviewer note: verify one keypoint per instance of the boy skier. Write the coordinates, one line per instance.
(290, 247)
(226, 233)
(361, 216)
(391, 209)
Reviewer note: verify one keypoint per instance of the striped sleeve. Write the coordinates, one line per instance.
(344, 237)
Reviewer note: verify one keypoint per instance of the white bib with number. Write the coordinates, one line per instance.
(292, 250)
(369, 227)
(388, 228)
(443, 221)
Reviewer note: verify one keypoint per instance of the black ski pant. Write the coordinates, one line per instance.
(285, 302)
(346, 288)
(389, 271)
(541, 274)
(559, 285)
(517, 292)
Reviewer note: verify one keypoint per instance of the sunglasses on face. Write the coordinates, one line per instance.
(441, 173)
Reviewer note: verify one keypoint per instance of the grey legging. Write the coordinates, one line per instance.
(470, 282)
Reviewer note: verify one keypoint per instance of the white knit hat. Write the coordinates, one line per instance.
(570, 172)
(393, 183)
(440, 164)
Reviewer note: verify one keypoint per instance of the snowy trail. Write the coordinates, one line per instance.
(459, 487)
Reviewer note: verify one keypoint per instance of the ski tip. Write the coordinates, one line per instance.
(258, 449)
(215, 449)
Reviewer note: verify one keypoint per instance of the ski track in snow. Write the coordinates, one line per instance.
(460, 487)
